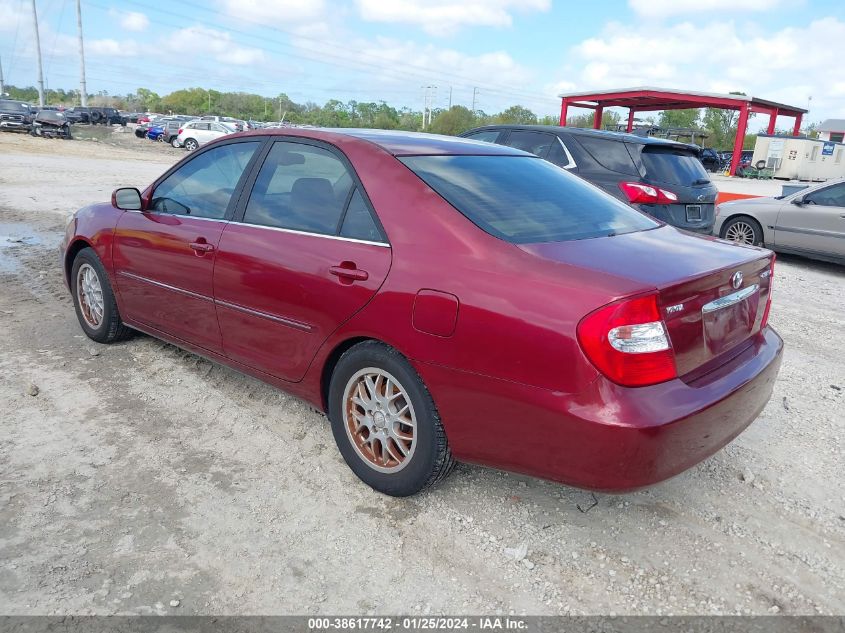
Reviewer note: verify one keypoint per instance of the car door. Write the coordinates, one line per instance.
(817, 225)
(164, 256)
(303, 255)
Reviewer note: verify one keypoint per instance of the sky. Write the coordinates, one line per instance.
(500, 52)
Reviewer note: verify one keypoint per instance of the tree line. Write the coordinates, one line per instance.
(719, 125)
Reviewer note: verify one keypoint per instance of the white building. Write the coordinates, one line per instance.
(832, 130)
(798, 158)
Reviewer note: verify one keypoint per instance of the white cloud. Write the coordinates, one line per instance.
(787, 65)
(134, 21)
(445, 17)
(283, 13)
(669, 8)
(111, 48)
(199, 41)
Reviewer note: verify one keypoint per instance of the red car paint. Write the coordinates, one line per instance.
(490, 326)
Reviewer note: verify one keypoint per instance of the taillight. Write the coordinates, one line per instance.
(179, 132)
(627, 342)
(639, 193)
(765, 320)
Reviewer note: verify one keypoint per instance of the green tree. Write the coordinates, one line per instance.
(679, 118)
(453, 121)
(518, 115)
(610, 119)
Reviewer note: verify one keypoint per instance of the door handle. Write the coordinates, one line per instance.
(348, 270)
(201, 247)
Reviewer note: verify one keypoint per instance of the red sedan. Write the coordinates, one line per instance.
(441, 299)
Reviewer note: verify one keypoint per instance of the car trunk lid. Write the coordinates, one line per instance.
(711, 294)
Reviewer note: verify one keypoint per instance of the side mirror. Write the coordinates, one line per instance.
(127, 198)
(799, 201)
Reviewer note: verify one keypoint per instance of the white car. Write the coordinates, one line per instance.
(197, 133)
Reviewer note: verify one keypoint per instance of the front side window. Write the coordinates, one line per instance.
(557, 154)
(522, 199)
(203, 187)
(833, 196)
(300, 187)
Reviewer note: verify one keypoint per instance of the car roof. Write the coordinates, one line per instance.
(397, 142)
(579, 131)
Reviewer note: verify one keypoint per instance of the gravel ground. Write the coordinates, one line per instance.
(137, 475)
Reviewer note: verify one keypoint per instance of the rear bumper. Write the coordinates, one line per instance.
(608, 438)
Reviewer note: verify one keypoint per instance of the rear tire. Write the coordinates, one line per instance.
(191, 145)
(743, 230)
(174, 142)
(385, 422)
(93, 298)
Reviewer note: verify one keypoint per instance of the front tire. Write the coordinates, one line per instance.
(385, 422)
(191, 145)
(93, 298)
(743, 230)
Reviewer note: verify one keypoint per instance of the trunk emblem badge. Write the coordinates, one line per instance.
(675, 308)
(736, 279)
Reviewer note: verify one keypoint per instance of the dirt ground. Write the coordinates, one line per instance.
(141, 475)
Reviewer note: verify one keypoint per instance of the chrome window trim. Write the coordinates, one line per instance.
(571, 164)
(176, 215)
(309, 233)
(729, 300)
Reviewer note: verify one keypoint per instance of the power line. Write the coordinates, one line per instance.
(319, 56)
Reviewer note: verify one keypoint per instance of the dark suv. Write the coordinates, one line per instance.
(662, 178)
(15, 115)
(106, 116)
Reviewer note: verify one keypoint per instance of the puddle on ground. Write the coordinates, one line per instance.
(14, 236)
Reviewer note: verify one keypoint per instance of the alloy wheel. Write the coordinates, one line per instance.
(379, 420)
(89, 293)
(741, 232)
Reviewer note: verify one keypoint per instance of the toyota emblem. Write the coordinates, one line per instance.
(736, 279)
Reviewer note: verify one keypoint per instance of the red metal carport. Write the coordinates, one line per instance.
(645, 99)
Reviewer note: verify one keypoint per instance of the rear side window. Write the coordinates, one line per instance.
(488, 136)
(522, 199)
(358, 222)
(299, 187)
(612, 155)
(672, 166)
(557, 154)
(537, 143)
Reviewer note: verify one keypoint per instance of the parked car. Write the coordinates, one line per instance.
(141, 130)
(15, 115)
(95, 115)
(194, 134)
(519, 317)
(662, 178)
(711, 159)
(809, 222)
(51, 124)
(156, 132)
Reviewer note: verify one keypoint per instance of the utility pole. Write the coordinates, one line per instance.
(474, 93)
(2, 85)
(450, 97)
(427, 102)
(38, 56)
(280, 109)
(83, 88)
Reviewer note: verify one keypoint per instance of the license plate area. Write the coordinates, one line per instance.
(730, 320)
(693, 212)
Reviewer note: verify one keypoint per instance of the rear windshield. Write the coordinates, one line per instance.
(524, 199)
(673, 166)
